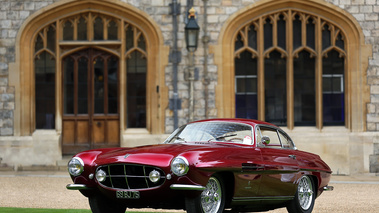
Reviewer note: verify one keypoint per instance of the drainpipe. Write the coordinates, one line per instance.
(191, 88)
(175, 58)
(206, 39)
(191, 71)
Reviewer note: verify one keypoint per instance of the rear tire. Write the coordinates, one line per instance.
(211, 200)
(101, 204)
(304, 199)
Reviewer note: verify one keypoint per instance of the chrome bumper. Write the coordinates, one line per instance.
(328, 188)
(187, 187)
(77, 187)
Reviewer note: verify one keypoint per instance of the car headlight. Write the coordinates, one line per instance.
(180, 166)
(75, 166)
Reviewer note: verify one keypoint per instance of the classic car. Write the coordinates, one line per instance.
(204, 166)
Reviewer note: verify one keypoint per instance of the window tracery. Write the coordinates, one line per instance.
(79, 31)
(293, 51)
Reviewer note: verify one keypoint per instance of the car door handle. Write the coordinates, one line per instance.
(252, 166)
(292, 156)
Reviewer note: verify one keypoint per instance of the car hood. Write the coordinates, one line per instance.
(155, 155)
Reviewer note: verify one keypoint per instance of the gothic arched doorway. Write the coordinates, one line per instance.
(63, 29)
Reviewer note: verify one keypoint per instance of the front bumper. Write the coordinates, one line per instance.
(77, 187)
(187, 187)
(328, 188)
(173, 186)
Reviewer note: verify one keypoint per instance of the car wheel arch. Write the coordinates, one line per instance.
(229, 180)
(315, 182)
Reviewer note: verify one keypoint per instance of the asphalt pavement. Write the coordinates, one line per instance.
(48, 190)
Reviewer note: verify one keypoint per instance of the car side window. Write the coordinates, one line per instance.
(272, 133)
(286, 141)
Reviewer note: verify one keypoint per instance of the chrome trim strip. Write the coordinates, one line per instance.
(146, 177)
(328, 188)
(246, 199)
(315, 170)
(77, 187)
(126, 177)
(187, 187)
(110, 175)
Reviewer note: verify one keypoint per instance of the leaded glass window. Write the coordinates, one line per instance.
(290, 58)
(246, 86)
(91, 83)
(44, 69)
(136, 75)
(89, 27)
(136, 89)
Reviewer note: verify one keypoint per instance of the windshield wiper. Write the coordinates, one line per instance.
(222, 136)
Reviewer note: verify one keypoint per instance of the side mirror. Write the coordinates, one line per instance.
(265, 140)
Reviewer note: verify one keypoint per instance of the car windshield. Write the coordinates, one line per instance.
(212, 132)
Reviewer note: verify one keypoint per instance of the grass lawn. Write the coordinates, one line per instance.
(22, 210)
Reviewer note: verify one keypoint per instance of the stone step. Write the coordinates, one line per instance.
(64, 161)
(61, 165)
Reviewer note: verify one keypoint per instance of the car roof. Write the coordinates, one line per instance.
(251, 122)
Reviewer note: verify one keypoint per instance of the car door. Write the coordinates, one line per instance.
(248, 178)
(281, 166)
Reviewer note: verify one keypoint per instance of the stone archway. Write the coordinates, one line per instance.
(22, 72)
(357, 58)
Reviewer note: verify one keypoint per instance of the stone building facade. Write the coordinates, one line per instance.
(42, 117)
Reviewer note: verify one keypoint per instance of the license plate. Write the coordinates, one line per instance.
(127, 194)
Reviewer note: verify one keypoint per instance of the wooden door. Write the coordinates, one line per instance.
(90, 101)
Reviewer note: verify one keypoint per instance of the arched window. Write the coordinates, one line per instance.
(92, 50)
(284, 61)
(136, 75)
(77, 28)
(44, 70)
(92, 27)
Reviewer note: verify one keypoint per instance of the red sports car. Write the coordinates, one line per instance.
(204, 166)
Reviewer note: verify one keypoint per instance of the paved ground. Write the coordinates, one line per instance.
(48, 190)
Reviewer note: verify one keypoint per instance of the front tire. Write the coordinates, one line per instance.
(211, 200)
(102, 204)
(304, 200)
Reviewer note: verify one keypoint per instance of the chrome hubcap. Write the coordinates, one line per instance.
(305, 192)
(211, 196)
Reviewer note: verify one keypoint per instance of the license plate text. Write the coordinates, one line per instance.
(127, 194)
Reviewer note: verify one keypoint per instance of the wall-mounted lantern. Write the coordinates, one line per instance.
(191, 32)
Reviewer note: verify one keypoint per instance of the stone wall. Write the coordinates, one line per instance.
(13, 13)
(374, 158)
(42, 148)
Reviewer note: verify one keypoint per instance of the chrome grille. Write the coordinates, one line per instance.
(129, 176)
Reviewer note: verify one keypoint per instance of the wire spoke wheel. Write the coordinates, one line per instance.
(305, 192)
(305, 196)
(211, 200)
(211, 197)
